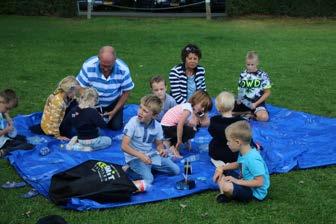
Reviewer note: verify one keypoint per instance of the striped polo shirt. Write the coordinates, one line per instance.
(179, 82)
(110, 88)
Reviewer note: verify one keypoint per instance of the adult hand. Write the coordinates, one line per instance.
(144, 158)
(110, 114)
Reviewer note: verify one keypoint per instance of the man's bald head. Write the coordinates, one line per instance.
(107, 57)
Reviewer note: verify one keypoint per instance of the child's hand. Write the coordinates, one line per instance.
(231, 179)
(253, 106)
(144, 158)
(63, 138)
(218, 175)
(9, 128)
(194, 121)
(175, 152)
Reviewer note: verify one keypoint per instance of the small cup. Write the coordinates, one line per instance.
(44, 151)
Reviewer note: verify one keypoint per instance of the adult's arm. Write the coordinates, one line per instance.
(175, 89)
(121, 102)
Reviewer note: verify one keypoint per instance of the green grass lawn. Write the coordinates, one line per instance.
(299, 55)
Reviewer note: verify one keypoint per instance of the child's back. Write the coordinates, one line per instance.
(218, 148)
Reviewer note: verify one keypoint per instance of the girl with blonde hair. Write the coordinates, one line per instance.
(56, 106)
(87, 121)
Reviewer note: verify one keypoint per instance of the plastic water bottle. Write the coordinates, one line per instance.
(191, 158)
(44, 151)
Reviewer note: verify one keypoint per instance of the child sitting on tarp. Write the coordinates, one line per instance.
(219, 151)
(254, 87)
(87, 121)
(139, 135)
(9, 140)
(58, 104)
(254, 181)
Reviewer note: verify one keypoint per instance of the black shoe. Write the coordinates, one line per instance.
(221, 198)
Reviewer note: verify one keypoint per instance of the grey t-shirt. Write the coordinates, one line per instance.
(169, 103)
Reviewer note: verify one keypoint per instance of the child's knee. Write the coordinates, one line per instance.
(175, 170)
(225, 187)
(262, 116)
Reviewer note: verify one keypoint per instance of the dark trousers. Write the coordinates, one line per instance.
(19, 142)
(170, 132)
(116, 123)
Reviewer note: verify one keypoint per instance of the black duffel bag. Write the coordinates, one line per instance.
(95, 180)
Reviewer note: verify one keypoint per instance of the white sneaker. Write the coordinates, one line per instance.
(71, 144)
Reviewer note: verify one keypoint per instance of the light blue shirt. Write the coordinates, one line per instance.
(191, 86)
(169, 103)
(142, 136)
(4, 138)
(110, 88)
(253, 165)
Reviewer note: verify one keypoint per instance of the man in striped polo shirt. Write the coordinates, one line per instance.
(111, 77)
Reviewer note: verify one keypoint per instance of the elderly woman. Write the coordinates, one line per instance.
(187, 77)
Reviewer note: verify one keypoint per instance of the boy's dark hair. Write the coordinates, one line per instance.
(190, 48)
(9, 95)
(202, 97)
(157, 79)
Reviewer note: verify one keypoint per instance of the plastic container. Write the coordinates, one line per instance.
(44, 151)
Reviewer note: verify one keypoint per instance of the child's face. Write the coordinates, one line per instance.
(4, 107)
(198, 110)
(159, 90)
(234, 144)
(145, 115)
(191, 61)
(251, 65)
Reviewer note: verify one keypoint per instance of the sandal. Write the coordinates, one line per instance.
(30, 194)
(13, 184)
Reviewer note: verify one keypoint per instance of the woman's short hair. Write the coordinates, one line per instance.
(202, 97)
(153, 102)
(190, 48)
(225, 102)
(88, 98)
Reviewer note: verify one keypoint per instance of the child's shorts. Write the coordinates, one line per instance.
(242, 108)
(242, 193)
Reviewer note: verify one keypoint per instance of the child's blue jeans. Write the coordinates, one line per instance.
(145, 170)
(95, 143)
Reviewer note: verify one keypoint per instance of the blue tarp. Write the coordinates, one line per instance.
(290, 140)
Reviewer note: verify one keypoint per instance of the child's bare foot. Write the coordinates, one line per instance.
(166, 144)
(175, 152)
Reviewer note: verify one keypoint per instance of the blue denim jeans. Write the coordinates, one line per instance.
(145, 170)
(93, 144)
